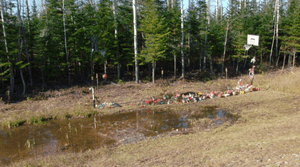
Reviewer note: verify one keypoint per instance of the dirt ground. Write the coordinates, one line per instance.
(265, 134)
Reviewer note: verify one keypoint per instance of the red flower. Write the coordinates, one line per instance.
(154, 101)
(131, 104)
(150, 100)
(190, 98)
(176, 91)
(158, 100)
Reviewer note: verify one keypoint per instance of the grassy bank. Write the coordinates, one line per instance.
(266, 132)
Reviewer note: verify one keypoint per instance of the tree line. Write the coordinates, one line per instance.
(52, 44)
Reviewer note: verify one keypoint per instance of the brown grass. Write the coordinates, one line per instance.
(266, 133)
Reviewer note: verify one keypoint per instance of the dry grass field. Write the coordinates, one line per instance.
(266, 133)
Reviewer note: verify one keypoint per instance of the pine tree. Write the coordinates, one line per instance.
(125, 33)
(173, 23)
(155, 32)
(291, 28)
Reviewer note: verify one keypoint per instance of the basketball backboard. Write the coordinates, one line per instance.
(253, 40)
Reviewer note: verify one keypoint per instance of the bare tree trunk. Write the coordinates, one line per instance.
(182, 39)
(200, 59)
(174, 53)
(261, 57)
(245, 4)
(258, 5)
(211, 64)
(27, 15)
(189, 36)
(289, 60)
(208, 23)
(240, 5)
(237, 66)
(135, 42)
(221, 10)
(294, 58)
(277, 61)
(168, 5)
(273, 37)
(283, 61)
(217, 9)
(18, 55)
(153, 71)
(12, 81)
(25, 43)
(210, 56)
(277, 22)
(116, 36)
(225, 43)
(66, 48)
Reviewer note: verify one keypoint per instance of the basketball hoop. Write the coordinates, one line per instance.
(247, 46)
(103, 52)
(251, 74)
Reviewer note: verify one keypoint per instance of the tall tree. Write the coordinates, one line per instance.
(277, 24)
(12, 80)
(116, 36)
(135, 42)
(19, 49)
(66, 48)
(182, 39)
(274, 29)
(26, 49)
(156, 35)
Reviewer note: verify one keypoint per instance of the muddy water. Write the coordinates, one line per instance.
(78, 135)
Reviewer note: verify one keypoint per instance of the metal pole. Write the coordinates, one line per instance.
(92, 61)
(97, 79)
(93, 93)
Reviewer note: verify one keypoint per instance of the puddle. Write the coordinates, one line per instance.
(78, 135)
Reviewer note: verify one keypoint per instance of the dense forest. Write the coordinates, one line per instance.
(66, 42)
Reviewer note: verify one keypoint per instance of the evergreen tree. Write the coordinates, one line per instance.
(155, 32)
(292, 28)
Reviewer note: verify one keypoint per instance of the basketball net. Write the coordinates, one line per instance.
(247, 46)
(103, 52)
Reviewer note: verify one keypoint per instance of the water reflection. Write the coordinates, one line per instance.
(80, 134)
